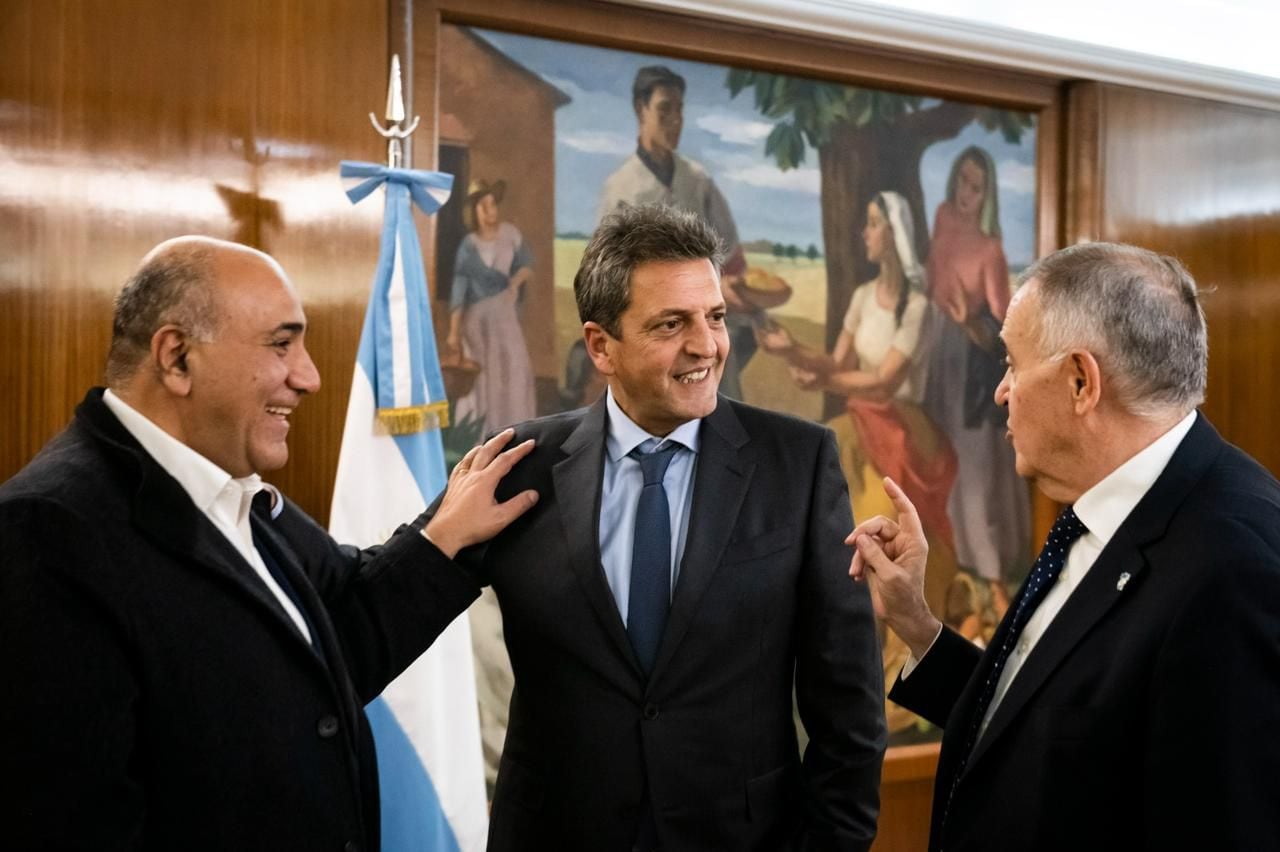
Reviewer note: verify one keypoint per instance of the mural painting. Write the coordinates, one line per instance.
(872, 240)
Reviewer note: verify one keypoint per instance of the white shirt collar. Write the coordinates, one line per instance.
(624, 435)
(1104, 507)
(203, 480)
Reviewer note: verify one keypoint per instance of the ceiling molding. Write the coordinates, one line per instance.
(854, 21)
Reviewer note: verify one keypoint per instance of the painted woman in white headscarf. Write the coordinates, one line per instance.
(879, 363)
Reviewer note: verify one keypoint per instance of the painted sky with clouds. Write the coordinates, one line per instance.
(597, 130)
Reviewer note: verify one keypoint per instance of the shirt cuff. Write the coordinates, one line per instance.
(910, 665)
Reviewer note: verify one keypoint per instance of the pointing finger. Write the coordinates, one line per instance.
(907, 516)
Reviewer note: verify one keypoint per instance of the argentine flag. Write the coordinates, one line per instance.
(425, 724)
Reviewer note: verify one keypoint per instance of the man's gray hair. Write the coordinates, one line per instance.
(172, 286)
(624, 241)
(1138, 312)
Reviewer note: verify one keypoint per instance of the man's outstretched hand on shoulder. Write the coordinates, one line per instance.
(469, 512)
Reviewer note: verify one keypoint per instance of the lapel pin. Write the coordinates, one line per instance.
(1122, 582)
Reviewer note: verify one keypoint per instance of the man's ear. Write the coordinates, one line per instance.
(599, 346)
(1086, 380)
(170, 347)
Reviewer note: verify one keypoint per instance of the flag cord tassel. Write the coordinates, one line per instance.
(415, 418)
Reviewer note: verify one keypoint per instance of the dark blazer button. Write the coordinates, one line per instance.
(327, 726)
(650, 712)
(351, 846)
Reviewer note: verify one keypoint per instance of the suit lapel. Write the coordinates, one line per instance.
(1098, 592)
(164, 513)
(331, 660)
(307, 598)
(173, 521)
(577, 487)
(1088, 603)
(720, 485)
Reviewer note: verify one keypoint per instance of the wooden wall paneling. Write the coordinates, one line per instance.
(225, 118)
(1083, 167)
(321, 69)
(906, 799)
(1201, 181)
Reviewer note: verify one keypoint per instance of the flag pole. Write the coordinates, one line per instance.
(394, 132)
(390, 468)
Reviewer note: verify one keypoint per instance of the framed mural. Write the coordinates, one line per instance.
(873, 235)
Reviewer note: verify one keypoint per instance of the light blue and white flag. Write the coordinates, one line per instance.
(430, 767)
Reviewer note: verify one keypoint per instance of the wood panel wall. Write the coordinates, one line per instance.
(1201, 181)
(124, 124)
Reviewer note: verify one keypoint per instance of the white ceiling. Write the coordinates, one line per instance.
(1239, 35)
(1220, 49)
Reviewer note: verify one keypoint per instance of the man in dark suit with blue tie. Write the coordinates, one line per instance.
(186, 654)
(681, 575)
(1130, 698)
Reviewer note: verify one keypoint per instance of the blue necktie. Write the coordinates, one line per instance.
(262, 506)
(650, 592)
(1066, 529)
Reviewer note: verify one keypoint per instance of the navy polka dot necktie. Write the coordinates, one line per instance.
(1066, 529)
(650, 588)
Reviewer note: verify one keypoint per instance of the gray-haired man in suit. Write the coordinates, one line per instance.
(1129, 698)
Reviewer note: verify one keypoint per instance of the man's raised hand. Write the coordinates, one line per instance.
(891, 556)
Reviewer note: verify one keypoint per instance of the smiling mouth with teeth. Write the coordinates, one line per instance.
(693, 377)
(279, 411)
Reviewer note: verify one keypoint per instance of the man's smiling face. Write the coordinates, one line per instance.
(247, 380)
(665, 367)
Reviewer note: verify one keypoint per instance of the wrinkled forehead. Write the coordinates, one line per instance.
(659, 286)
(1022, 319)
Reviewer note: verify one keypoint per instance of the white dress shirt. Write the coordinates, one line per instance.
(620, 495)
(224, 499)
(1102, 509)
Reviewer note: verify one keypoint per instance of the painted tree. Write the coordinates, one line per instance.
(867, 141)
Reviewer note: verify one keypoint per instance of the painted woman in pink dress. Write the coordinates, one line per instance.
(968, 279)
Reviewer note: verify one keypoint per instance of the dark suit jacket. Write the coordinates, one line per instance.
(763, 601)
(1146, 717)
(158, 696)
